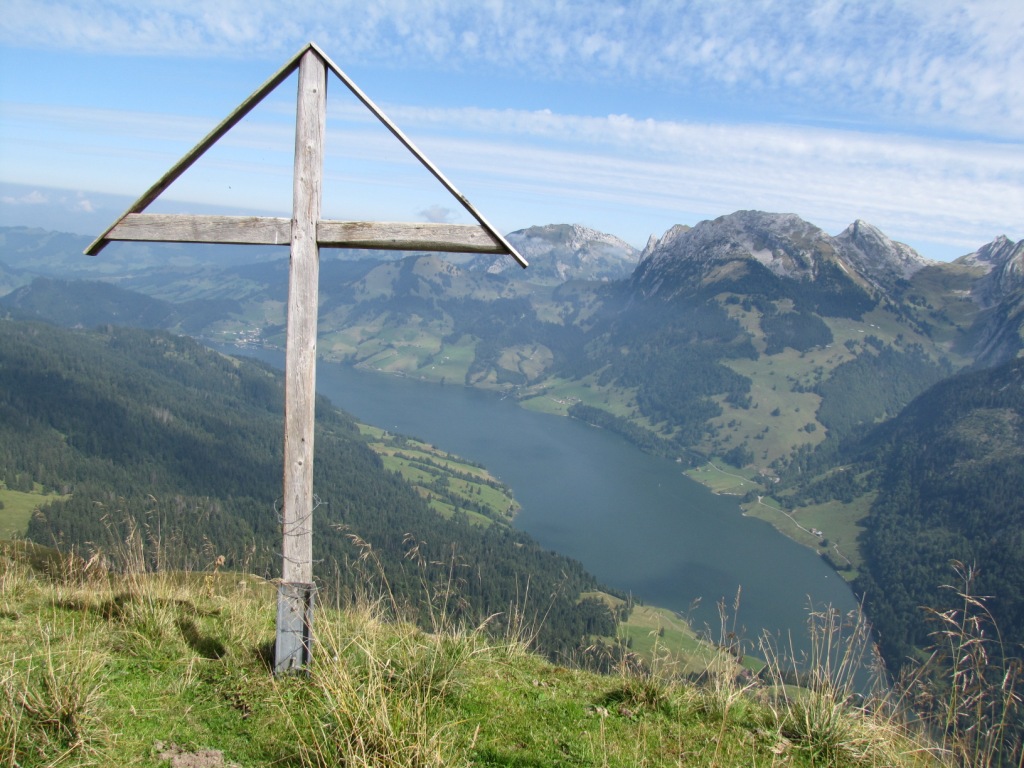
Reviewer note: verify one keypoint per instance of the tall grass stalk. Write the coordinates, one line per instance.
(379, 691)
(50, 700)
(379, 685)
(829, 701)
(968, 689)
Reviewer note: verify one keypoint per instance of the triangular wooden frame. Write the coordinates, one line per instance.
(135, 225)
(305, 233)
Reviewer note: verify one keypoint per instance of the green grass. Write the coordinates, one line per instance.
(556, 396)
(17, 510)
(839, 523)
(451, 363)
(104, 669)
(946, 291)
(666, 641)
(724, 479)
(773, 437)
(776, 419)
(466, 485)
(531, 360)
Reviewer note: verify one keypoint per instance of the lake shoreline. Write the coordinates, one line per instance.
(634, 520)
(784, 527)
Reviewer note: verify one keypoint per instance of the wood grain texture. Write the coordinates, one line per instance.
(397, 236)
(264, 230)
(300, 357)
(182, 228)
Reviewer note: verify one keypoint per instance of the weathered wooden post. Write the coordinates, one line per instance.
(297, 591)
(305, 233)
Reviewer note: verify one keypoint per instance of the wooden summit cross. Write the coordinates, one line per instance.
(305, 233)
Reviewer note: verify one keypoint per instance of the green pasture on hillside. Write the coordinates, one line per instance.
(449, 483)
(17, 511)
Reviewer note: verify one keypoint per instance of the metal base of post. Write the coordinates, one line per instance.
(294, 647)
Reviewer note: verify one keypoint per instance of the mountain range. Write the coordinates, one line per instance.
(755, 339)
(734, 335)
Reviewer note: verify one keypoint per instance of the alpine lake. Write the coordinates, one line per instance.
(635, 521)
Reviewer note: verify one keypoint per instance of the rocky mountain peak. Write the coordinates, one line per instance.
(560, 252)
(783, 243)
(1003, 261)
(995, 255)
(879, 259)
(665, 241)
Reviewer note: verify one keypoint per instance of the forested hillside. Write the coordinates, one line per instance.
(949, 472)
(141, 430)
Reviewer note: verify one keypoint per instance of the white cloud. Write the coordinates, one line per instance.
(83, 204)
(556, 167)
(437, 214)
(35, 197)
(916, 62)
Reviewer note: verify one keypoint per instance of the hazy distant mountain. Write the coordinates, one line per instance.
(29, 247)
(561, 252)
(87, 304)
(36, 252)
(92, 303)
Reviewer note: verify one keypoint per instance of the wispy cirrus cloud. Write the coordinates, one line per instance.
(928, 195)
(652, 173)
(807, 169)
(938, 62)
(908, 113)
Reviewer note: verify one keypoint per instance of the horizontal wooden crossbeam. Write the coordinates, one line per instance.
(397, 236)
(265, 230)
(183, 228)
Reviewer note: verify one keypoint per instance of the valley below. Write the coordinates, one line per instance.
(634, 520)
(862, 400)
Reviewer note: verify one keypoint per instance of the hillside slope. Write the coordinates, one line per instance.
(135, 431)
(171, 669)
(755, 340)
(948, 472)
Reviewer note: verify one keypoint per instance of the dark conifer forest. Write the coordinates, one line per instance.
(950, 470)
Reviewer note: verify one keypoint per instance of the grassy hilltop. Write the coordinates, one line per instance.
(172, 669)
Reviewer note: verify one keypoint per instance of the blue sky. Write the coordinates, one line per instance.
(628, 117)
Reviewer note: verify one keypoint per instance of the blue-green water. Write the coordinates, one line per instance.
(635, 521)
